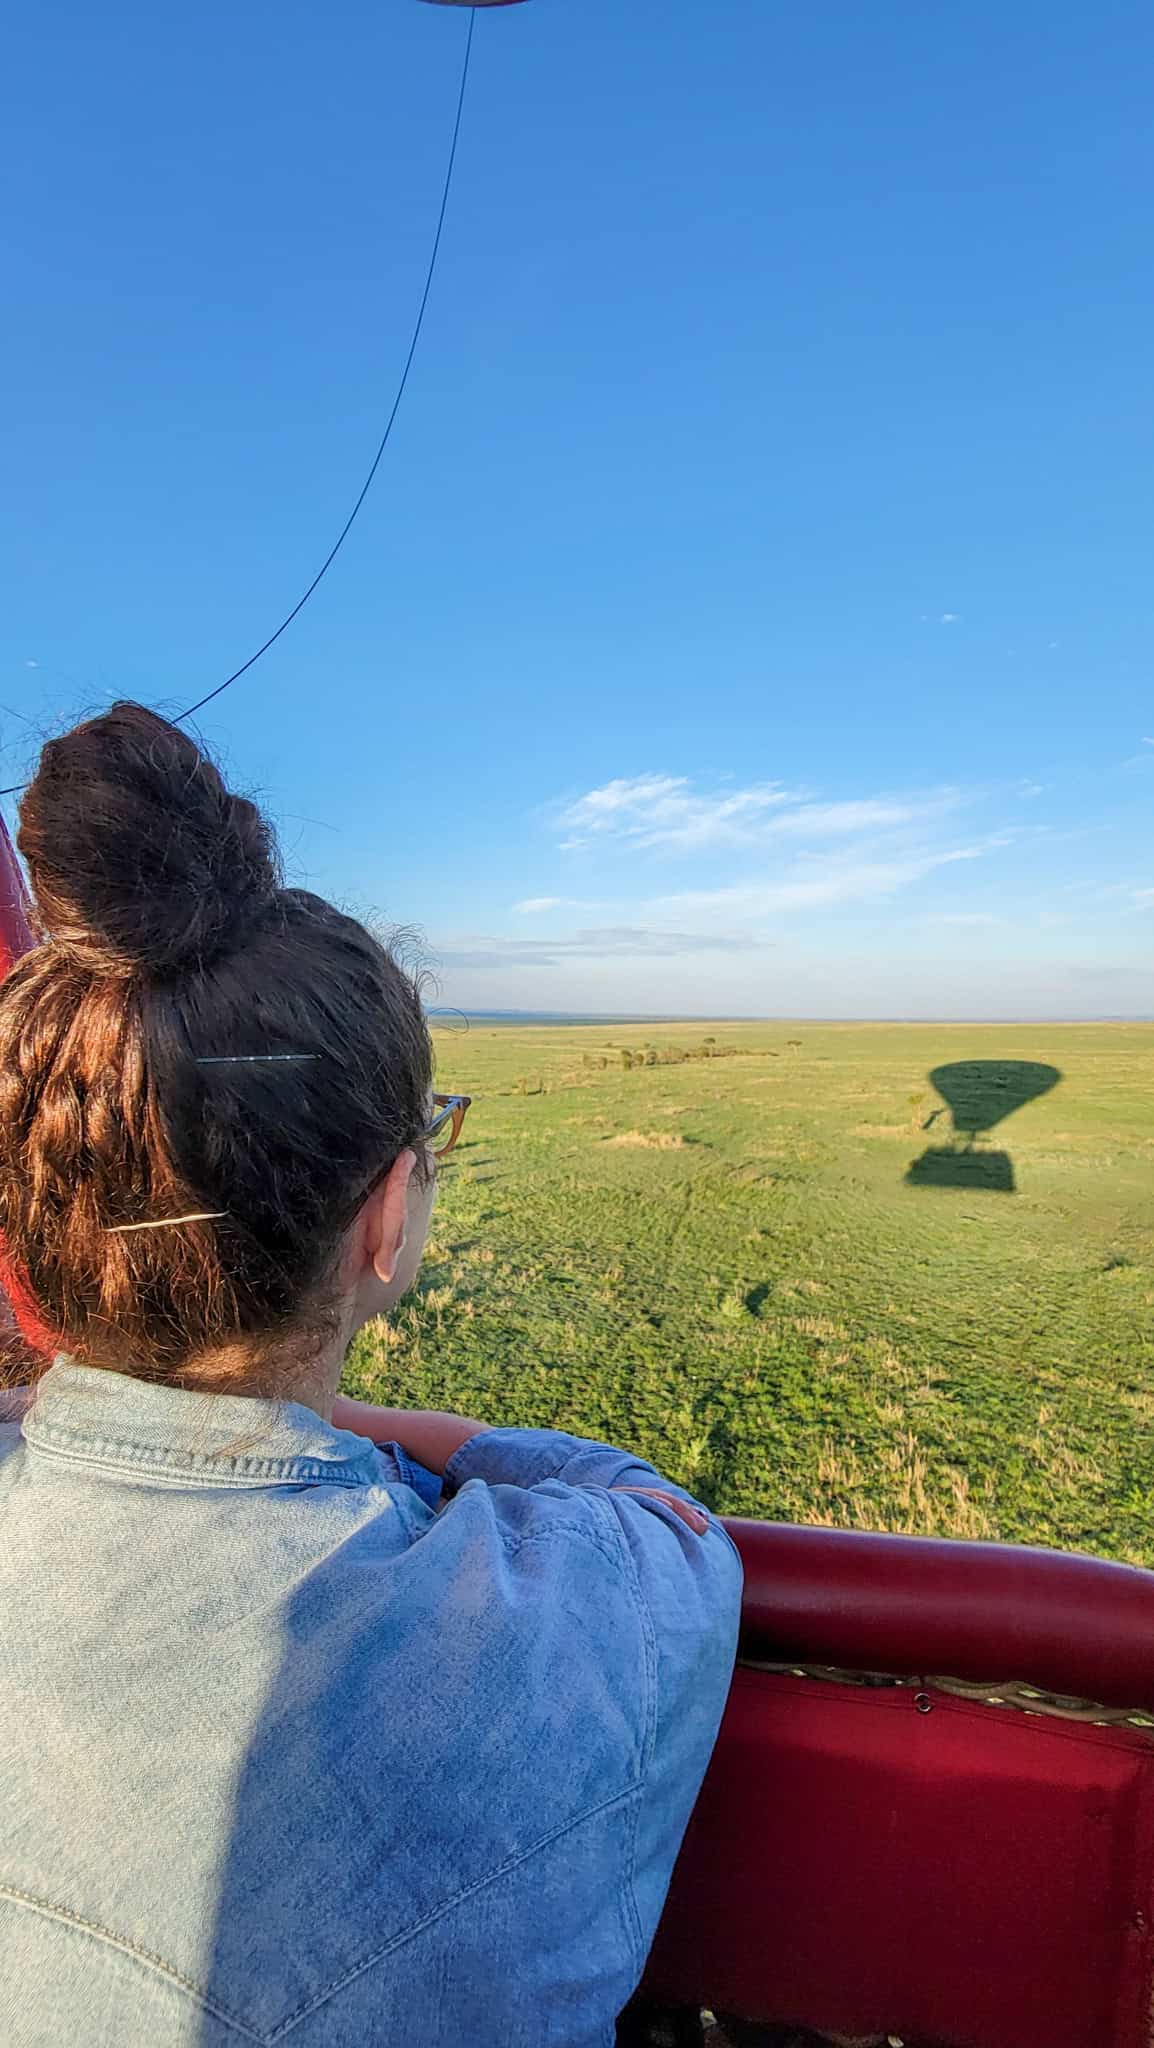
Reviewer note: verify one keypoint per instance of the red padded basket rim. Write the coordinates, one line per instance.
(1073, 1625)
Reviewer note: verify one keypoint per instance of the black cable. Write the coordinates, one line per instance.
(343, 535)
(338, 544)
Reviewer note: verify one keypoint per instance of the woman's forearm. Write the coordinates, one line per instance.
(429, 1437)
(432, 1439)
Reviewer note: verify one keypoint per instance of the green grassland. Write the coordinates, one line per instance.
(722, 1263)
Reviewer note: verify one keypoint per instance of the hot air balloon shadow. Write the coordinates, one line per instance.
(978, 1093)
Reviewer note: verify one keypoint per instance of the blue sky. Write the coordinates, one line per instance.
(754, 610)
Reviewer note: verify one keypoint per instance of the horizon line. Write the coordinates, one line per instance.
(778, 1017)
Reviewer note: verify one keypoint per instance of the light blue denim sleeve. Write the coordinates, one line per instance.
(688, 1594)
(527, 1457)
(399, 1466)
(690, 1589)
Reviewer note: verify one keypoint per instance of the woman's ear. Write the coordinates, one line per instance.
(383, 1219)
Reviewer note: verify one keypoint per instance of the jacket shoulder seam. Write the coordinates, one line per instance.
(407, 1934)
(48, 1909)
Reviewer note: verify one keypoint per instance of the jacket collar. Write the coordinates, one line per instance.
(117, 1422)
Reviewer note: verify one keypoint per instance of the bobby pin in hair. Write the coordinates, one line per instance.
(166, 1222)
(253, 1059)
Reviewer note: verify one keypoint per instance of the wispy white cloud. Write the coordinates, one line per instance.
(865, 815)
(805, 854)
(745, 895)
(667, 813)
(614, 942)
(951, 618)
(822, 884)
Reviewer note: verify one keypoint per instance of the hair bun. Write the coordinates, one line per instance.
(141, 861)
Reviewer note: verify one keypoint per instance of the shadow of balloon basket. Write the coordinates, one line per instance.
(979, 1094)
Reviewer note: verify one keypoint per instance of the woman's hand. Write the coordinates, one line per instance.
(684, 1509)
(430, 1438)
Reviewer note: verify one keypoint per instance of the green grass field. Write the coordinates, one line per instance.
(724, 1264)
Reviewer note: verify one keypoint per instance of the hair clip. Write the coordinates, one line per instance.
(166, 1222)
(253, 1059)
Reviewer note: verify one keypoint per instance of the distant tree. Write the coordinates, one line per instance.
(710, 1041)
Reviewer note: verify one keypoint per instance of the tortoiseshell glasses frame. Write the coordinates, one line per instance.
(445, 1129)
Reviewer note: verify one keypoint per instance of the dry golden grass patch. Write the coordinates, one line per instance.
(655, 1141)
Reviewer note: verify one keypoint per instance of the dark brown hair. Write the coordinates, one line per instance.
(167, 940)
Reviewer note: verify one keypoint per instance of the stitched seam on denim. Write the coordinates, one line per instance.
(558, 1532)
(649, 1642)
(198, 1468)
(128, 1948)
(406, 1471)
(392, 1495)
(401, 1460)
(555, 1531)
(469, 1891)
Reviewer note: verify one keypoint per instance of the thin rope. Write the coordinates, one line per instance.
(341, 538)
(346, 529)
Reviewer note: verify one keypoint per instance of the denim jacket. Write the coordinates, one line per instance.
(289, 1754)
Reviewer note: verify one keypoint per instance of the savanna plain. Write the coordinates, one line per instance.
(805, 1278)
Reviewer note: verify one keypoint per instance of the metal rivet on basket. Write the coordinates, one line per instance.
(923, 1703)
